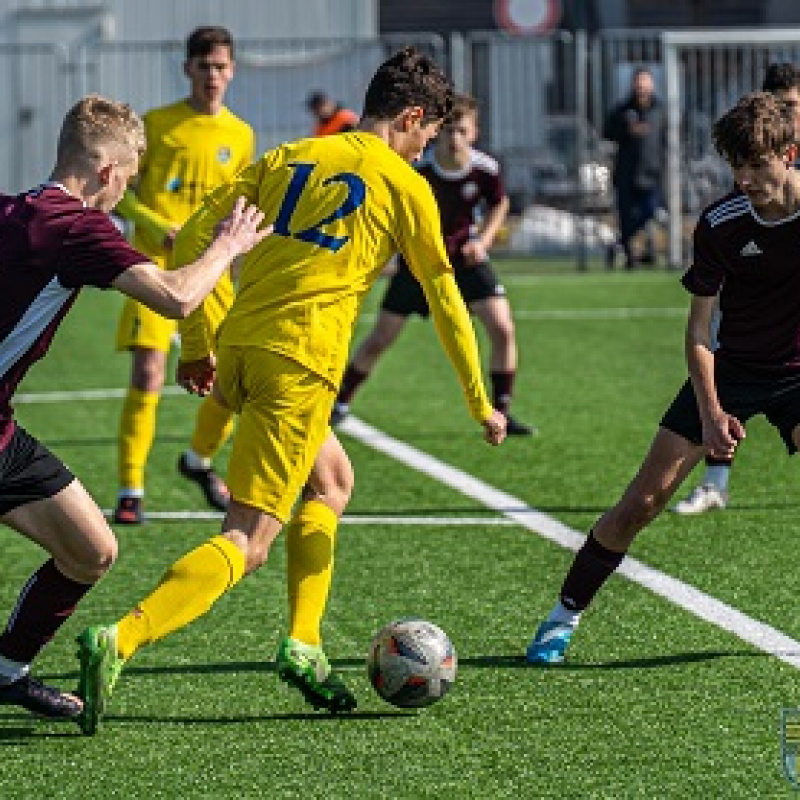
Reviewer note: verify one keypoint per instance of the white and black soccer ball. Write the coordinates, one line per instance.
(411, 663)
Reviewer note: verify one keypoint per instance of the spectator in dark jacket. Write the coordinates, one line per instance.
(638, 127)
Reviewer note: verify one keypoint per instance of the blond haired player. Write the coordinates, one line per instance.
(341, 205)
(193, 146)
(58, 239)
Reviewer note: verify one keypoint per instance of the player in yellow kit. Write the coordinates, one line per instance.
(193, 146)
(340, 206)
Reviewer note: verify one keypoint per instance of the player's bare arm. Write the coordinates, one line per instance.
(476, 251)
(455, 331)
(721, 431)
(177, 293)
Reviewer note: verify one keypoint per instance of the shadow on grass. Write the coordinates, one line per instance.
(509, 661)
(247, 719)
(655, 662)
(15, 733)
(12, 731)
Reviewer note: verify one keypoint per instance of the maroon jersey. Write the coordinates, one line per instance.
(755, 266)
(51, 245)
(460, 194)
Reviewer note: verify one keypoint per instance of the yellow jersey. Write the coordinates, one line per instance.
(341, 206)
(188, 154)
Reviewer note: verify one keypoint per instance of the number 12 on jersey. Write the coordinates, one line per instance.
(356, 193)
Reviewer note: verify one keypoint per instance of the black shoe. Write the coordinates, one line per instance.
(129, 511)
(611, 256)
(214, 488)
(339, 413)
(648, 259)
(40, 699)
(516, 428)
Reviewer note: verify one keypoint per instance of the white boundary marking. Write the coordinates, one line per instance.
(691, 599)
(36, 398)
(372, 519)
(598, 314)
(542, 315)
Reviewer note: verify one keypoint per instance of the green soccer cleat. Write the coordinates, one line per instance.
(100, 669)
(306, 668)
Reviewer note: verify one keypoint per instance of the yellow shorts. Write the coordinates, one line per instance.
(139, 326)
(284, 414)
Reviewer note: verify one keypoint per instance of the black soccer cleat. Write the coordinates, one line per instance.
(516, 428)
(40, 699)
(214, 488)
(129, 511)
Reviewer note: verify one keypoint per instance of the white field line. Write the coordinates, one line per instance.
(599, 314)
(558, 314)
(36, 398)
(584, 278)
(373, 519)
(702, 605)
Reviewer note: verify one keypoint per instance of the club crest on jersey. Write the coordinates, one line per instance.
(173, 184)
(470, 190)
(790, 744)
(224, 155)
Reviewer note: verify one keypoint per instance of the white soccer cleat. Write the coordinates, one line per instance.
(705, 497)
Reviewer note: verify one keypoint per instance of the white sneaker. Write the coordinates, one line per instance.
(705, 497)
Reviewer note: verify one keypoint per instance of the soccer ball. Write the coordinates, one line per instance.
(411, 663)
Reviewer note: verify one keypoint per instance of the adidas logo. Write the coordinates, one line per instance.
(751, 249)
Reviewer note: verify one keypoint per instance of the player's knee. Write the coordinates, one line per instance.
(504, 333)
(343, 490)
(148, 371)
(639, 511)
(341, 484)
(335, 491)
(333, 487)
(94, 561)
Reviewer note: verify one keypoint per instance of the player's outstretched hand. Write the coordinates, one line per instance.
(241, 227)
(494, 428)
(198, 376)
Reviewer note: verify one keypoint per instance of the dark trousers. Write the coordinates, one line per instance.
(635, 207)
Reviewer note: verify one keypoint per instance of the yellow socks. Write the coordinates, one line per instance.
(137, 429)
(212, 429)
(188, 589)
(310, 537)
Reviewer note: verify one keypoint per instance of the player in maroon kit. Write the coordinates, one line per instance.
(464, 182)
(745, 249)
(58, 238)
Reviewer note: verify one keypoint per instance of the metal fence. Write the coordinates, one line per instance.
(542, 99)
(705, 73)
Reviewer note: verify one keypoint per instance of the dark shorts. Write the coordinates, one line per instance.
(744, 393)
(404, 295)
(28, 472)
